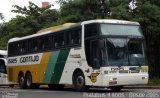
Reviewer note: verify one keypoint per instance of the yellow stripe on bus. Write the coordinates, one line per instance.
(37, 70)
(43, 65)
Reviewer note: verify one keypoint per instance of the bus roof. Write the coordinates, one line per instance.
(58, 28)
(70, 25)
(111, 21)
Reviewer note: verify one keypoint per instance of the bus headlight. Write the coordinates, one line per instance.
(144, 68)
(113, 79)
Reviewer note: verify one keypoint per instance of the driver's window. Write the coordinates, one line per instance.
(95, 54)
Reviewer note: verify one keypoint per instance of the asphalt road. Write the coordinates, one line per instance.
(6, 92)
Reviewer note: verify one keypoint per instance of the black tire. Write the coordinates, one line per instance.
(116, 88)
(21, 81)
(56, 86)
(79, 82)
(29, 83)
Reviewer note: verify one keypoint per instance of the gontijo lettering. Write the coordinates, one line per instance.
(29, 59)
(25, 59)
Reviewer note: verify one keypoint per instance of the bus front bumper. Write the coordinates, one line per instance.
(125, 79)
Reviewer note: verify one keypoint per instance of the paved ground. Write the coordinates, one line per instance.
(6, 92)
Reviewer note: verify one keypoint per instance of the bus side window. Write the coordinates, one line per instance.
(19, 48)
(55, 40)
(48, 42)
(76, 37)
(59, 40)
(24, 48)
(79, 36)
(44, 43)
(34, 45)
(12, 49)
(67, 38)
(40, 43)
(29, 45)
(72, 38)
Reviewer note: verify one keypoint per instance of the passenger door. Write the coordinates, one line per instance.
(95, 54)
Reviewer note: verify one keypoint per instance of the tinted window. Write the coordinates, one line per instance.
(2, 67)
(75, 37)
(56, 40)
(115, 29)
(44, 43)
(59, 40)
(91, 30)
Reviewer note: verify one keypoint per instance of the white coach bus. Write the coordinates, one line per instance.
(3, 72)
(3, 63)
(94, 53)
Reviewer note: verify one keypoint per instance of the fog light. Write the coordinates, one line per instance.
(111, 79)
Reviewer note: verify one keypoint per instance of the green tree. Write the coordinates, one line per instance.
(1, 16)
(32, 19)
(1, 24)
(147, 14)
(38, 17)
(78, 10)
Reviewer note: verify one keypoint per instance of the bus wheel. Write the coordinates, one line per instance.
(55, 86)
(79, 82)
(21, 81)
(29, 80)
(116, 88)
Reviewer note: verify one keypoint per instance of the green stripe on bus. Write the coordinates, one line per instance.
(51, 66)
(63, 55)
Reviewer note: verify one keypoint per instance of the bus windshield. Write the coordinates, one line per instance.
(124, 52)
(120, 29)
(123, 45)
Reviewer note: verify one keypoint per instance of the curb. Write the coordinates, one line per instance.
(142, 87)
